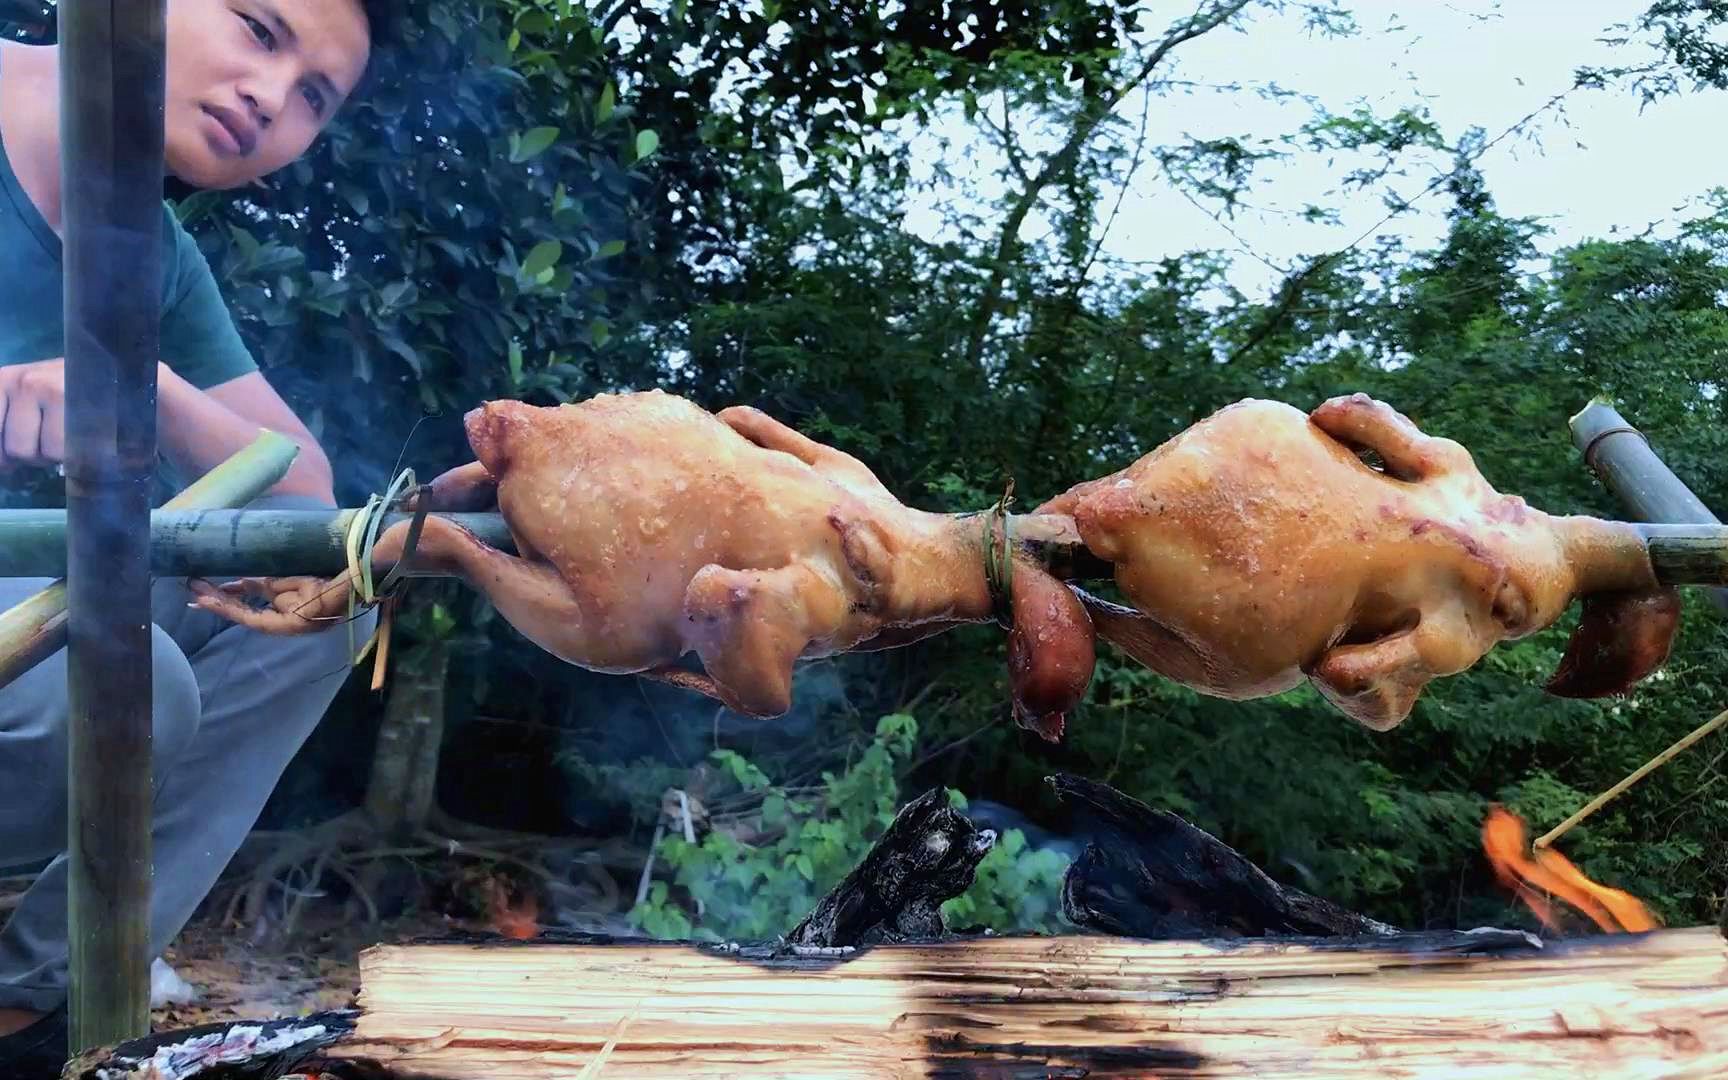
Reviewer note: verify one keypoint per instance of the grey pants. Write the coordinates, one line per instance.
(231, 707)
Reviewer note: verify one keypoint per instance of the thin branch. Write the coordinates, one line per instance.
(1086, 123)
(1291, 290)
(1121, 193)
(1005, 135)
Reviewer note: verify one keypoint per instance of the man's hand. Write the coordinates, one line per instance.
(195, 429)
(32, 414)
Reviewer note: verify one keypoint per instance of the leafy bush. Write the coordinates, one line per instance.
(727, 888)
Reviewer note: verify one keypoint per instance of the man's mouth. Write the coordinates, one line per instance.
(232, 132)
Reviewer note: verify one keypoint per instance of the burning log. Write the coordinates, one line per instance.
(927, 855)
(1147, 873)
(1436, 1004)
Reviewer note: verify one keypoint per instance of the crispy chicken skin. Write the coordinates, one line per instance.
(1258, 548)
(647, 528)
(1255, 549)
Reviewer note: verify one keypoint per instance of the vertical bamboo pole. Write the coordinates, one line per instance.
(1628, 466)
(111, 123)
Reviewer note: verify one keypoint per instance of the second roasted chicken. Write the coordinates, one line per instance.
(1260, 547)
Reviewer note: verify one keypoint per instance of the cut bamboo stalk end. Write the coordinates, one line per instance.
(35, 629)
(1628, 466)
(1688, 554)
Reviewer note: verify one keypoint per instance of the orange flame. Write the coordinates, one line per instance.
(520, 921)
(1549, 873)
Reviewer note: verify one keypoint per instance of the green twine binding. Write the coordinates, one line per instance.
(370, 524)
(999, 560)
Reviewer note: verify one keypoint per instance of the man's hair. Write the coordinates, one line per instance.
(381, 19)
(381, 16)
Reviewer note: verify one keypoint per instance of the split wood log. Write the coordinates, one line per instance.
(1147, 873)
(1473, 1005)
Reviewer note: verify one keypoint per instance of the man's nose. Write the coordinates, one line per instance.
(266, 95)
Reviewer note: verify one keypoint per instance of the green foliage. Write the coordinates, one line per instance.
(727, 888)
(457, 236)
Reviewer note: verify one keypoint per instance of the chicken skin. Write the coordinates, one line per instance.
(647, 528)
(1258, 548)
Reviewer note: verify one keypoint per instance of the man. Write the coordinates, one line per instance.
(249, 85)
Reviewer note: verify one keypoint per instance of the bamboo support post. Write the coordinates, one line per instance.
(1623, 459)
(112, 90)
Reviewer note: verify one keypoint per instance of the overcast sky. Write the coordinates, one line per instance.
(1605, 166)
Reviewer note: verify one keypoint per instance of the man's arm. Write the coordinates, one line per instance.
(199, 429)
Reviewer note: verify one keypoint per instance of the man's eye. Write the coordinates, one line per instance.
(263, 33)
(314, 98)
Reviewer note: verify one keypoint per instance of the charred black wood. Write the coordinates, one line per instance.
(928, 855)
(238, 1050)
(1147, 873)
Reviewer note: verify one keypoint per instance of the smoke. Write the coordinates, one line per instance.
(626, 740)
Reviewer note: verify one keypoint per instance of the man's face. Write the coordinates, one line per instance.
(250, 83)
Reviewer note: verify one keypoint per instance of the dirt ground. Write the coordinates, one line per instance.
(234, 979)
(230, 977)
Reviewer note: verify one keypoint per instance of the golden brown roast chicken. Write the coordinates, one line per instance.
(1255, 549)
(647, 528)
(1258, 548)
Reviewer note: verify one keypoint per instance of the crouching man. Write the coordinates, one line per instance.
(249, 85)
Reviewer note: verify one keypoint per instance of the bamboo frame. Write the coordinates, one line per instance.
(35, 628)
(1629, 467)
(213, 541)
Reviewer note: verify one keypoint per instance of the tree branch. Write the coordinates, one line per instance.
(1005, 135)
(1086, 123)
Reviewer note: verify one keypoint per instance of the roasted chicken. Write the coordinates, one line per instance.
(1259, 547)
(1256, 549)
(647, 528)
